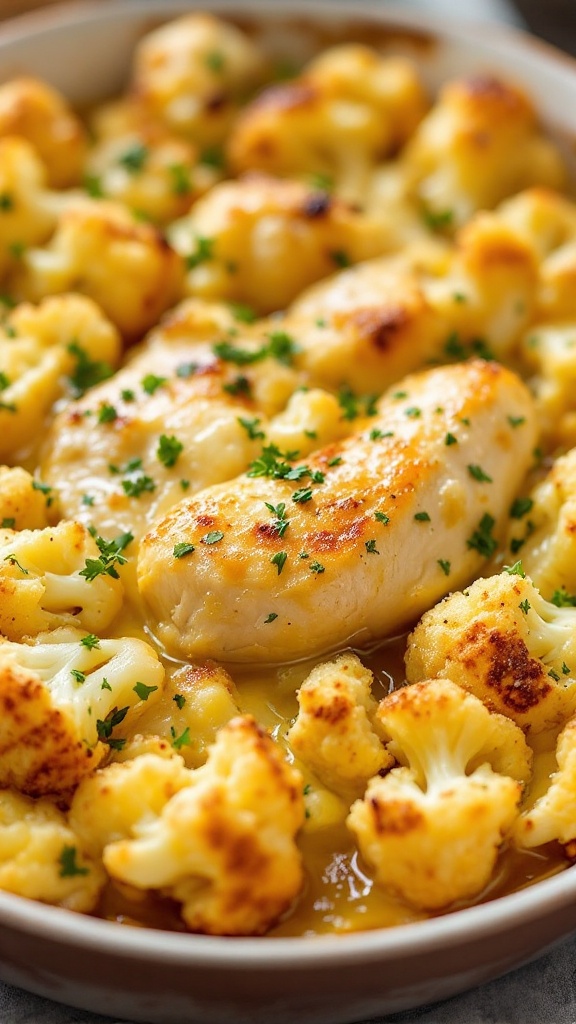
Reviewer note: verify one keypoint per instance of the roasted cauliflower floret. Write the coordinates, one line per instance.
(196, 702)
(42, 858)
(479, 144)
(335, 733)
(102, 251)
(23, 505)
(62, 345)
(62, 697)
(349, 109)
(543, 529)
(432, 829)
(193, 74)
(42, 585)
(28, 213)
(549, 351)
(553, 815)
(504, 643)
(224, 845)
(261, 240)
(156, 175)
(547, 220)
(38, 113)
(113, 802)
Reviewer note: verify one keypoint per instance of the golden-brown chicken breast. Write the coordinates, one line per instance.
(297, 558)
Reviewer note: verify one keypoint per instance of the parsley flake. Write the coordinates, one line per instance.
(477, 473)
(445, 566)
(213, 537)
(180, 550)
(169, 449)
(142, 691)
(68, 865)
(279, 560)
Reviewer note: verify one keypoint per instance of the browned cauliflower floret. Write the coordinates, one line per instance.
(194, 72)
(479, 144)
(336, 733)
(42, 586)
(223, 845)
(23, 505)
(28, 213)
(62, 698)
(503, 642)
(64, 344)
(38, 113)
(553, 815)
(196, 702)
(42, 858)
(153, 173)
(547, 220)
(113, 802)
(261, 240)
(543, 529)
(432, 829)
(349, 109)
(101, 250)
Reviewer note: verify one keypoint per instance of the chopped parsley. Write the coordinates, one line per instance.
(180, 175)
(45, 489)
(516, 421)
(382, 518)
(520, 507)
(107, 413)
(151, 383)
(482, 539)
(134, 158)
(8, 523)
(180, 550)
(302, 495)
(214, 537)
(169, 449)
(239, 386)
(12, 560)
(477, 473)
(450, 439)
(138, 485)
(422, 517)
(110, 556)
(340, 258)
(180, 700)
(87, 499)
(186, 370)
(281, 523)
(413, 412)
(515, 570)
(317, 568)
(279, 560)
(270, 617)
(87, 372)
(127, 395)
(371, 548)
(106, 685)
(215, 60)
(203, 252)
(437, 220)
(244, 314)
(445, 566)
(565, 669)
(79, 676)
(353, 405)
(562, 599)
(251, 427)
(4, 381)
(183, 740)
(68, 865)
(142, 691)
(525, 606)
(104, 727)
(90, 641)
(280, 346)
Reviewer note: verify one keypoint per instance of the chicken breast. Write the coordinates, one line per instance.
(296, 559)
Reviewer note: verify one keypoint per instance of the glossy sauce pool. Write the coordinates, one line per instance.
(339, 894)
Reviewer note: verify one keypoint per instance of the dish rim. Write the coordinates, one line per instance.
(302, 952)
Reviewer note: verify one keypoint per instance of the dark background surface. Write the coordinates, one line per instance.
(554, 20)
